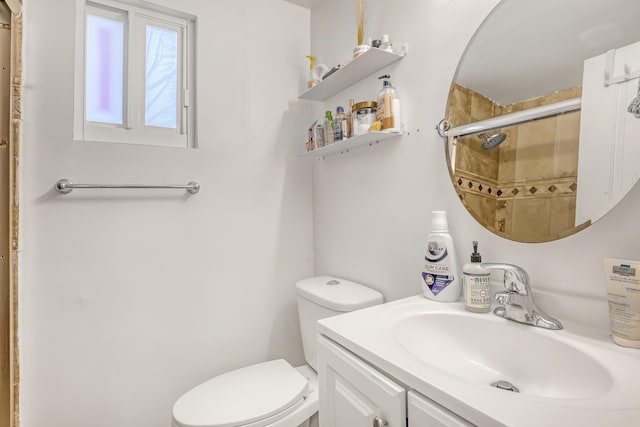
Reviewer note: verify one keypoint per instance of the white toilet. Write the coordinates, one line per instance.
(274, 393)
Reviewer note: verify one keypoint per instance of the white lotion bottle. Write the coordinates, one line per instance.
(439, 277)
(477, 284)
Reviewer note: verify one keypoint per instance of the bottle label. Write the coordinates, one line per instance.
(436, 273)
(477, 291)
(337, 130)
(436, 282)
(436, 251)
(344, 127)
(384, 111)
(623, 291)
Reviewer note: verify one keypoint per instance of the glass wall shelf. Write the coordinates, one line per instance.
(353, 72)
(344, 146)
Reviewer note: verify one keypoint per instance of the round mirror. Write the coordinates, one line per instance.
(543, 116)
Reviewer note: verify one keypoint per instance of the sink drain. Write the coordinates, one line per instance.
(505, 385)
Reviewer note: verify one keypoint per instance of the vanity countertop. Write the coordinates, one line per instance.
(604, 376)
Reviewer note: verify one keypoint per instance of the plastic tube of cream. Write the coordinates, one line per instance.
(623, 290)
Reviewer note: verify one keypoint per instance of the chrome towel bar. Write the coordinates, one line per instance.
(65, 186)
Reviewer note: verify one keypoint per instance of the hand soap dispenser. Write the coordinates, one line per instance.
(477, 284)
(388, 111)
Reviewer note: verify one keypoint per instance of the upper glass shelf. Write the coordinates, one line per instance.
(366, 64)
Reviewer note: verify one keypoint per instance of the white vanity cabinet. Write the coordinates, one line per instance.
(423, 412)
(355, 394)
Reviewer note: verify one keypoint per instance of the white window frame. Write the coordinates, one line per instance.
(133, 130)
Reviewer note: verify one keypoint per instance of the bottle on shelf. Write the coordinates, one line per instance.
(351, 115)
(388, 111)
(315, 72)
(340, 125)
(363, 117)
(318, 136)
(385, 44)
(328, 128)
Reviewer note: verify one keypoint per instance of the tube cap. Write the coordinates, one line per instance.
(439, 221)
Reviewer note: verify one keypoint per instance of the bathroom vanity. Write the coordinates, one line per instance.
(356, 393)
(423, 363)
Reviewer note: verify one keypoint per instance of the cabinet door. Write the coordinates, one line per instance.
(424, 412)
(353, 394)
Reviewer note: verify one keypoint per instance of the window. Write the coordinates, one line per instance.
(135, 74)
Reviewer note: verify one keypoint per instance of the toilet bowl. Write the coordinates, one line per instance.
(274, 393)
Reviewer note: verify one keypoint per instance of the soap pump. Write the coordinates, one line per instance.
(388, 112)
(476, 284)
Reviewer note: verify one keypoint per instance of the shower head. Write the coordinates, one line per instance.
(491, 141)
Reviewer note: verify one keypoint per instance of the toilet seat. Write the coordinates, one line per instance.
(254, 396)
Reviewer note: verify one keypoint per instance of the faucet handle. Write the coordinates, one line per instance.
(517, 281)
(516, 278)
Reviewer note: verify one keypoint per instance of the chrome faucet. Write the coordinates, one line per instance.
(516, 303)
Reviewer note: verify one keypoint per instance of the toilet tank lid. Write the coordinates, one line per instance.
(338, 294)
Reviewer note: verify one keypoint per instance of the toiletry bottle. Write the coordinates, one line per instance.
(439, 277)
(388, 106)
(328, 128)
(385, 44)
(340, 125)
(318, 135)
(623, 286)
(312, 79)
(316, 71)
(477, 284)
(351, 116)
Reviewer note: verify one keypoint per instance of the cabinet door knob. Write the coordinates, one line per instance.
(379, 422)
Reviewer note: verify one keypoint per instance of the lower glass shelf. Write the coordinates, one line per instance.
(368, 138)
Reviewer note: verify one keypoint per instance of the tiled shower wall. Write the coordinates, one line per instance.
(533, 171)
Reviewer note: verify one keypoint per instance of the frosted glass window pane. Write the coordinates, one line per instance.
(161, 95)
(104, 70)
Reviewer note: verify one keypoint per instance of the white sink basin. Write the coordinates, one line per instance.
(485, 349)
(574, 376)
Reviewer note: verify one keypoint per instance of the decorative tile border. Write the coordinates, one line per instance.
(470, 183)
(539, 188)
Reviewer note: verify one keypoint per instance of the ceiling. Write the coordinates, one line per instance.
(525, 49)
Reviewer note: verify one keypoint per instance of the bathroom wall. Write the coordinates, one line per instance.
(130, 298)
(525, 189)
(372, 206)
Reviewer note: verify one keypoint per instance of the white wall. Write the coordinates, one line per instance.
(130, 298)
(372, 206)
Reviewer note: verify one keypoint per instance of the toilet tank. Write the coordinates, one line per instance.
(325, 296)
